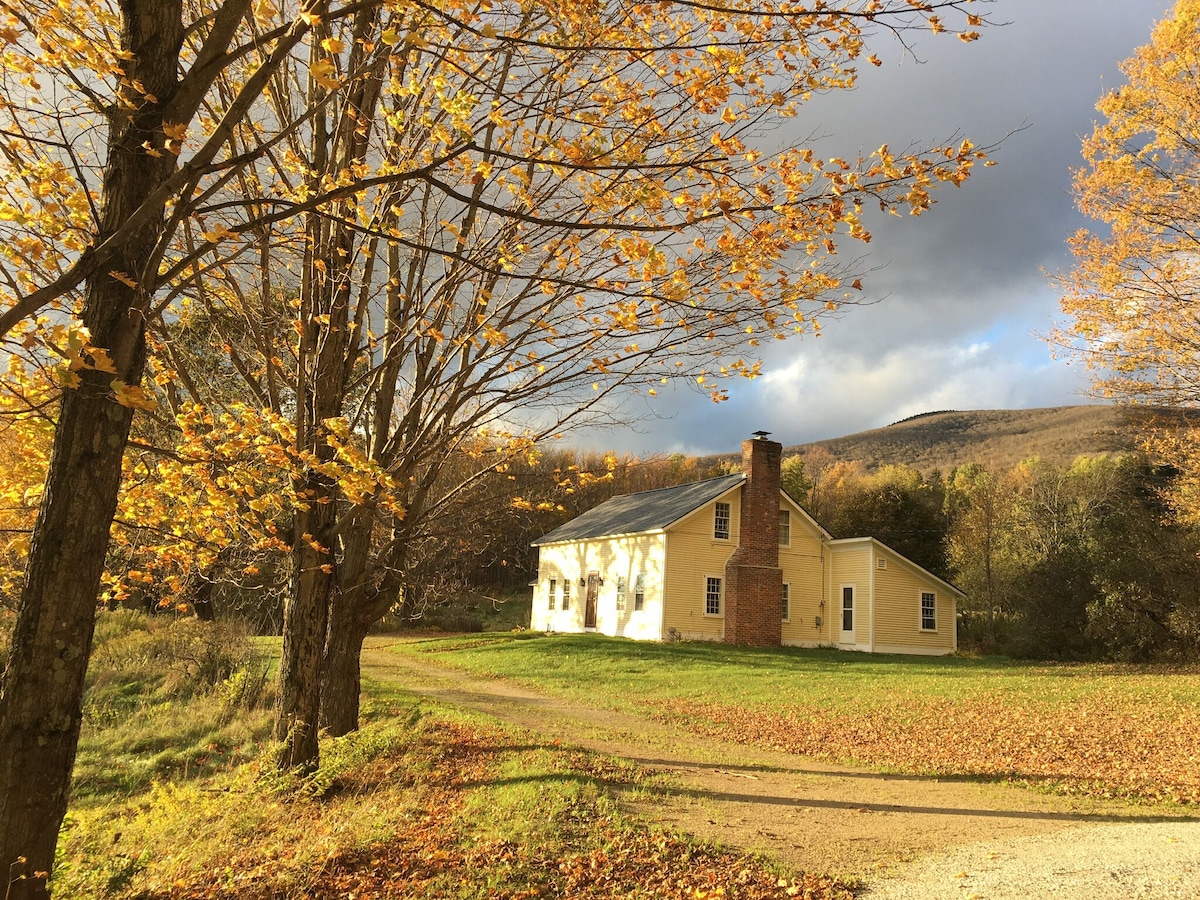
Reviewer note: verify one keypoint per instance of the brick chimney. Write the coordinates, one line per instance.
(753, 578)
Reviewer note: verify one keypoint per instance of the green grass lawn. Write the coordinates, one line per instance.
(1097, 729)
(623, 673)
(425, 801)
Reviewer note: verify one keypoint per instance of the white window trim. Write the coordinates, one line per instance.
(720, 599)
(639, 605)
(921, 612)
(728, 521)
(553, 589)
(622, 591)
(841, 610)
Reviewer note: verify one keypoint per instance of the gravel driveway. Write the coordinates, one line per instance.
(906, 837)
(1095, 862)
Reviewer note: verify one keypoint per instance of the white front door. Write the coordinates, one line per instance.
(847, 631)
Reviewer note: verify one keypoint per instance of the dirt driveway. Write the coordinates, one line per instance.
(883, 828)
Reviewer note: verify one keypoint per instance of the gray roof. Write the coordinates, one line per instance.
(641, 512)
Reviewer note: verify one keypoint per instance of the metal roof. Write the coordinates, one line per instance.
(641, 512)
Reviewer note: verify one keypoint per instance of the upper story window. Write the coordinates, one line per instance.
(721, 521)
(928, 611)
(639, 592)
(785, 528)
(553, 588)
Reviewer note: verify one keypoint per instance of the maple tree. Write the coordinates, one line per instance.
(546, 218)
(1129, 297)
(611, 134)
(99, 174)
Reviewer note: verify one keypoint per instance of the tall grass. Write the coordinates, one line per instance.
(168, 698)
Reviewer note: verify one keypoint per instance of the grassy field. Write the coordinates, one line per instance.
(178, 798)
(1102, 730)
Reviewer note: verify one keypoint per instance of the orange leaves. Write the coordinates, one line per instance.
(132, 395)
(1106, 744)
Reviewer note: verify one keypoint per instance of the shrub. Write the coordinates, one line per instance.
(139, 659)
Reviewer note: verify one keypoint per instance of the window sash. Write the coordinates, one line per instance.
(787, 602)
(785, 528)
(712, 596)
(928, 611)
(639, 592)
(566, 597)
(721, 521)
(553, 588)
(622, 587)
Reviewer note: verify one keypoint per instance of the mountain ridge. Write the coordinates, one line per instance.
(997, 438)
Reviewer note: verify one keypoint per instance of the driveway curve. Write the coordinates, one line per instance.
(906, 837)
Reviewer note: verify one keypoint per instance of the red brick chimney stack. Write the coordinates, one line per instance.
(753, 578)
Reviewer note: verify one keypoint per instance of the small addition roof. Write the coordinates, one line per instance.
(641, 512)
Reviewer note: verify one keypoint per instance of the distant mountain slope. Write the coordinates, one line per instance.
(998, 438)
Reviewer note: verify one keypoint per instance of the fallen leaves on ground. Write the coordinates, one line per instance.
(1104, 746)
(437, 850)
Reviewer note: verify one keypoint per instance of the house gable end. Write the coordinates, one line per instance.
(915, 568)
(812, 525)
(729, 496)
(643, 512)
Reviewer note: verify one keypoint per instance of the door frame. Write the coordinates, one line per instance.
(844, 636)
(592, 600)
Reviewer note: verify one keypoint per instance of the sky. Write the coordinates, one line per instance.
(962, 290)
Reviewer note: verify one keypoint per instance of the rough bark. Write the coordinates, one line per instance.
(327, 348)
(358, 603)
(42, 687)
(342, 689)
(305, 619)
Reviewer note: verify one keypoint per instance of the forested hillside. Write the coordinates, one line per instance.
(997, 438)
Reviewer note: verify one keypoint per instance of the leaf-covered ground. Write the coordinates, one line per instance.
(438, 809)
(1101, 730)
(1107, 744)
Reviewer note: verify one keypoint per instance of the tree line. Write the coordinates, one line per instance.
(1082, 561)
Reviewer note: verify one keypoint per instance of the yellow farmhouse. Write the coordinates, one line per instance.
(735, 559)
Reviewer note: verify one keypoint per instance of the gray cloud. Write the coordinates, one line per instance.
(962, 290)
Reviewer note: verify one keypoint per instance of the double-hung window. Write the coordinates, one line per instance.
(928, 611)
(785, 528)
(787, 602)
(566, 604)
(639, 592)
(712, 596)
(622, 589)
(553, 588)
(721, 522)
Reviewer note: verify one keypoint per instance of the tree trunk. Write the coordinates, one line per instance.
(355, 606)
(202, 602)
(41, 692)
(305, 622)
(343, 671)
(325, 355)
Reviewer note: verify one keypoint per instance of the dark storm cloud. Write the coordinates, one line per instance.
(961, 289)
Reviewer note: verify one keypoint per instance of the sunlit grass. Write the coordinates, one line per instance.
(1097, 729)
(424, 802)
(624, 673)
